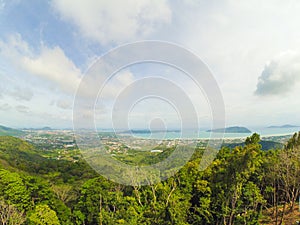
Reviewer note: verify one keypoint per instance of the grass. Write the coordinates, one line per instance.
(290, 218)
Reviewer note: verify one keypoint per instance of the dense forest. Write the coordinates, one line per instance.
(243, 185)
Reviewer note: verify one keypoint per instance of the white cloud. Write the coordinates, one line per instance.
(115, 21)
(235, 38)
(50, 64)
(280, 75)
(22, 94)
(116, 84)
(54, 65)
(64, 104)
(14, 46)
(22, 109)
(5, 107)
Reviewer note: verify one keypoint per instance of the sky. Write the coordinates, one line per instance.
(252, 49)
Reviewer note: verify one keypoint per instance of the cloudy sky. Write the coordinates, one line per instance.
(251, 47)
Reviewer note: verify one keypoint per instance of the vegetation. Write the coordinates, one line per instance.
(265, 145)
(243, 185)
(4, 131)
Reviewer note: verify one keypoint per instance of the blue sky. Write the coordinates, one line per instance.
(252, 48)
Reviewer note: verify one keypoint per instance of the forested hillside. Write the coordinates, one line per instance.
(9, 131)
(243, 185)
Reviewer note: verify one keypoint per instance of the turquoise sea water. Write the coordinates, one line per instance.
(192, 134)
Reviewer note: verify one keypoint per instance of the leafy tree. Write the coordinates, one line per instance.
(231, 173)
(253, 139)
(234, 189)
(10, 215)
(13, 190)
(43, 215)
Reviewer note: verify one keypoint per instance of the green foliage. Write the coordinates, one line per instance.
(43, 215)
(24, 192)
(232, 175)
(265, 145)
(21, 155)
(6, 131)
(294, 141)
(234, 189)
(13, 189)
(253, 139)
(9, 214)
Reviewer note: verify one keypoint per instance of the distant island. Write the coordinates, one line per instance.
(46, 128)
(283, 126)
(235, 129)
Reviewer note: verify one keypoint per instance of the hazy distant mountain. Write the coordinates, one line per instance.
(283, 126)
(265, 145)
(43, 128)
(235, 129)
(6, 131)
(46, 128)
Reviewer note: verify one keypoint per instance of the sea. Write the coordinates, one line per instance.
(203, 134)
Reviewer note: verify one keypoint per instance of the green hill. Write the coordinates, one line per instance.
(265, 145)
(6, 131)
(17, 154)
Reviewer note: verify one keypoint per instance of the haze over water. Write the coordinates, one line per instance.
(203, 134)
